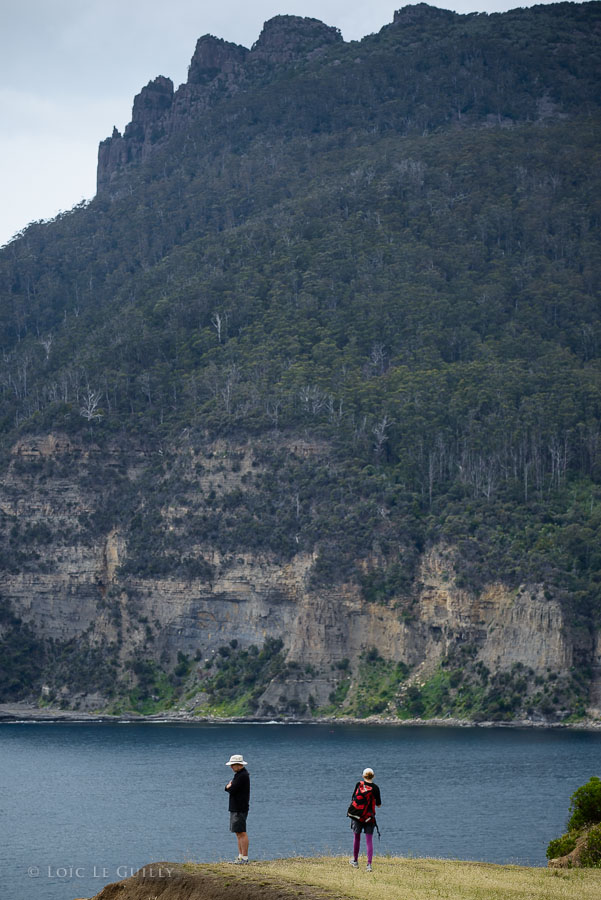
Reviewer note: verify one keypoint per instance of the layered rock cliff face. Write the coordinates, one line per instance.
(217, 68)
(75, 585)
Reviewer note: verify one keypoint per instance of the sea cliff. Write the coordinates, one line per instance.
(333, 653)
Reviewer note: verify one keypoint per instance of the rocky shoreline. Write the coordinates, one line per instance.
(25, 712)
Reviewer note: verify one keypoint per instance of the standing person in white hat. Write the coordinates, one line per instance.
(239, 790)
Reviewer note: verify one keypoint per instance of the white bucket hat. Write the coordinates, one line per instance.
(368, 774)
(237, 760)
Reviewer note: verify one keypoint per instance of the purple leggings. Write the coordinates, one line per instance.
(369, 840)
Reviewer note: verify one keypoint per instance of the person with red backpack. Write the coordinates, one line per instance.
(362, 813)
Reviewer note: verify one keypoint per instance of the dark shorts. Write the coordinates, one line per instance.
(358, 827)
(237, 822)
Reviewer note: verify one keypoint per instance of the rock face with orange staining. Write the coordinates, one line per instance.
(77, 587)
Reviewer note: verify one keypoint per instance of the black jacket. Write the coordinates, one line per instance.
(239, 792)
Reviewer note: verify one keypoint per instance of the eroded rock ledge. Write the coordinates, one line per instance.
(174, 881)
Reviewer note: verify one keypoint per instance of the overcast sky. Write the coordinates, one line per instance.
(70, 69)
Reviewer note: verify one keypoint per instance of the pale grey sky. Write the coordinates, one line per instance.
(69, 70)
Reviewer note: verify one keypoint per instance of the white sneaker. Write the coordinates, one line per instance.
(354, 863)
(368, 867)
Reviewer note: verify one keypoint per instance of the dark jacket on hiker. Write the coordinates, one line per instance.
(239, 792)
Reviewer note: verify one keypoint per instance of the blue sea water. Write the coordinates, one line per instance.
(82, 805)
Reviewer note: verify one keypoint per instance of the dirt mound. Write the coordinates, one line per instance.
(585, 853)
(572, 859)
(177, 881)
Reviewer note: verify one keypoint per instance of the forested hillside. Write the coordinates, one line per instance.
(334, 311)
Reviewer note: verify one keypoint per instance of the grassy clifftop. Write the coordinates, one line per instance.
(393, 878)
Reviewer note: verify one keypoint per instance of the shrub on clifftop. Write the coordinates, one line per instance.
(586, 804)
(581, 845)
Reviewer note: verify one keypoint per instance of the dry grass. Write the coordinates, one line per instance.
(419, 879)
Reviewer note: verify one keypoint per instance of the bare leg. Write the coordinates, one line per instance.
(242, 843)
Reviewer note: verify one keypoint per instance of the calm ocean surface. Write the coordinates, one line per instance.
(88, 804)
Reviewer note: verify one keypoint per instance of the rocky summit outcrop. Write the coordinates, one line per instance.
(214, 57)
(217, 68)
(147, 126)
(421, 12)
(151, 103)
(285, 39)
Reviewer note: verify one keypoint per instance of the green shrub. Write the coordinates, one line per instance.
(182, 668)
(591, 853)
(339, 694)
(562, 845)
(585, 807)
(414, 702)
(586, 804)
(242, 676)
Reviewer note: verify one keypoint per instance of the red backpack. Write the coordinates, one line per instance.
(363, 804)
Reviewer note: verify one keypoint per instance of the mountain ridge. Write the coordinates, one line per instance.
(287, 41)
